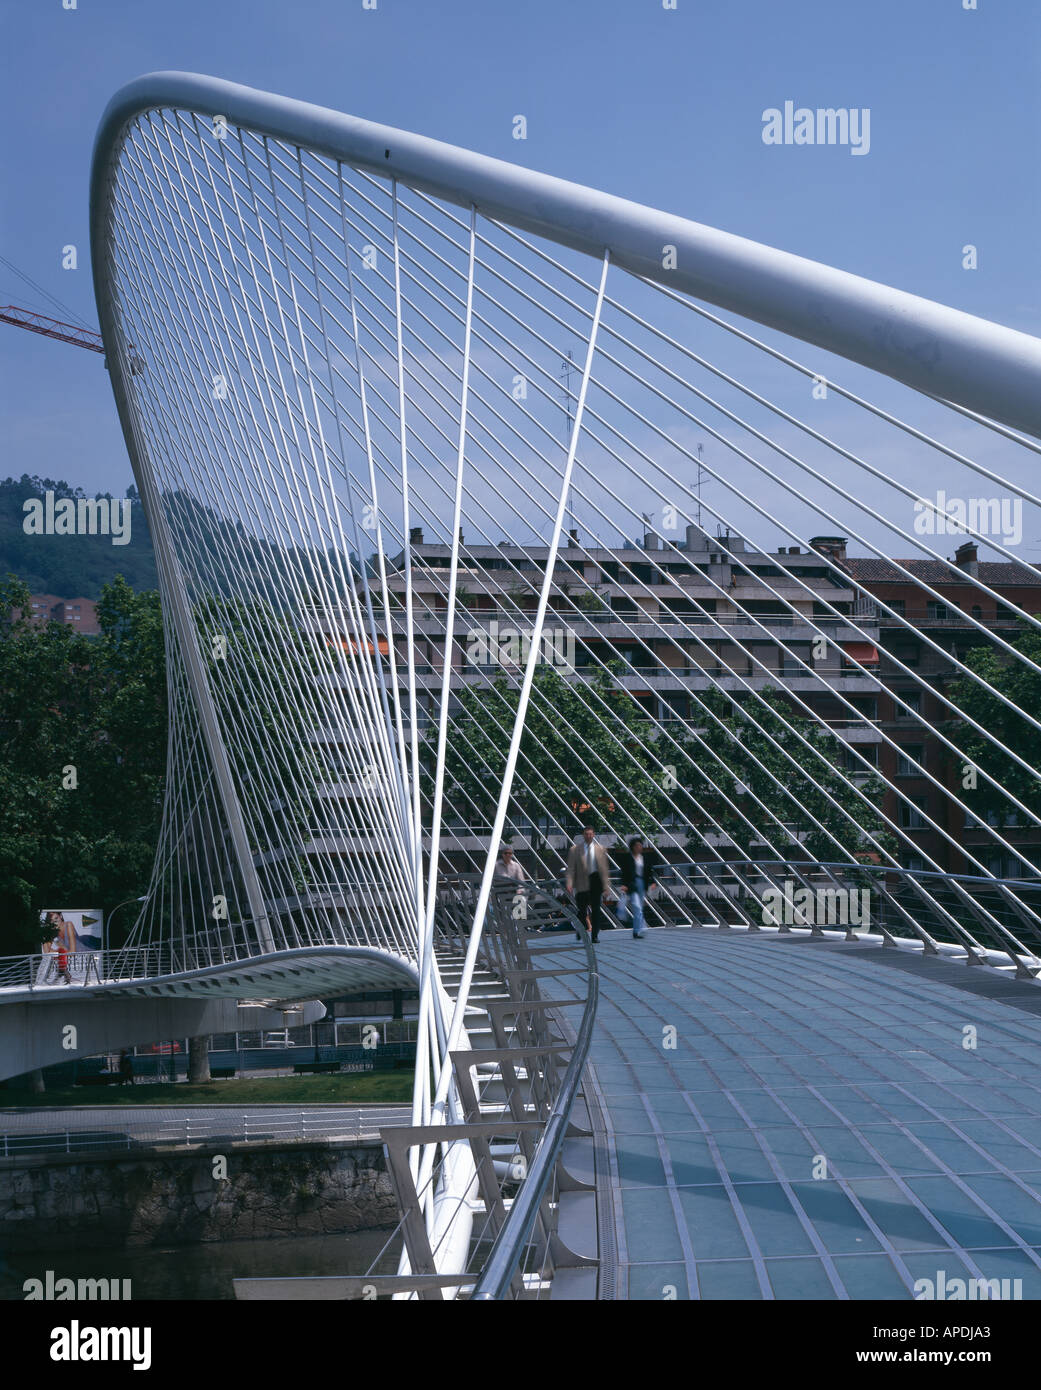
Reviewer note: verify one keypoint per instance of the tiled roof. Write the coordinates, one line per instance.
(866, 569)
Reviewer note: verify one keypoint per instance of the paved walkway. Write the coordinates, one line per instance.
(819, 1130)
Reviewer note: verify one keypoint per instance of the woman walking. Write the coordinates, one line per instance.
(636, 870)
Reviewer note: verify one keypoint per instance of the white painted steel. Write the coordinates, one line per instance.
(315, 266)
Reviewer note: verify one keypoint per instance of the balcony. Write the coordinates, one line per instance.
(469, 618)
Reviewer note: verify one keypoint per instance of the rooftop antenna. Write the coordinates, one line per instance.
(698, 488)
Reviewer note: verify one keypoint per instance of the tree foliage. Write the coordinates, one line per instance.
(585, 754)
(1022, 686)
(590, 752)
(70, 565)
(751, 776)
(261, 661)
(82, 758)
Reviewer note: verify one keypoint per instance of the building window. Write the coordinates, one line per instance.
(912, 816)
(898, 605)
(766, 608)
(909, 762)
(676, 705)
(795, 659)
(977, 612)
(938, 612)
(734, 660)
(860, 754)
(912, 698)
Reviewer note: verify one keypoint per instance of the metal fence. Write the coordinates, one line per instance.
(516, 1092)
(202, 1127)
(53, 969)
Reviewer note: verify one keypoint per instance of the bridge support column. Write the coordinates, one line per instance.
(199, 1058)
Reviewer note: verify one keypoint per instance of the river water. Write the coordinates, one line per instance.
(205, 1271)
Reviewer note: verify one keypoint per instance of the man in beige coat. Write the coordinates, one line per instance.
(589, 878)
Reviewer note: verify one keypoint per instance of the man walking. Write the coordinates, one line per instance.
(589, 878)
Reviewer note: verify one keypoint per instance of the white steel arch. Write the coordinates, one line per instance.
(336, 348)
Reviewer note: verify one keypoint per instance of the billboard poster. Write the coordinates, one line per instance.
(74, 937)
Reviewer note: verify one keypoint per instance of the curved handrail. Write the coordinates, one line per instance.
(501, 1265)
(858, 866)
(499, 947)
(970, 890)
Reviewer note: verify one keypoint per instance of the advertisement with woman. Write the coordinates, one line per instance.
(73, 939)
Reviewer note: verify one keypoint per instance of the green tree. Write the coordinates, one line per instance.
(585, 752)
(262, 662)
(82, 757)
(734, 762)
(1022, 686)
(44, 721)
(70, 565)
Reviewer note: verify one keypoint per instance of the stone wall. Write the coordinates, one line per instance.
(167, 1197)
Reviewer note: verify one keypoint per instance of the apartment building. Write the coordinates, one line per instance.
(80, 613)
(715, 612)
(921, 637)
(684, 615)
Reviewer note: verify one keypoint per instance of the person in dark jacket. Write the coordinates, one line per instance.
(636, 870)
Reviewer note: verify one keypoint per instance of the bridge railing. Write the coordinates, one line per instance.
(47, 969)
(517, 1089)
(525, 1237)
(138, 1130)
(989, 920)
(228, 945)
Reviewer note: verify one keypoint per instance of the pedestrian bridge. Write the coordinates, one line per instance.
(783, 1116)
(342, 357)
(769, 1111)
(121, 999)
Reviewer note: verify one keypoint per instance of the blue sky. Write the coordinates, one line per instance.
(661, 106)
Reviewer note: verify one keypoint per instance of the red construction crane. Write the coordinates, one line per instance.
(51, 328)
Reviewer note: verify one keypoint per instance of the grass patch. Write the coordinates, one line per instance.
(388, 1087)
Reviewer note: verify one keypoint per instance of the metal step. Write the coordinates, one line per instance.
(574, 1284)
(577, 1170)
(576, 1228)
